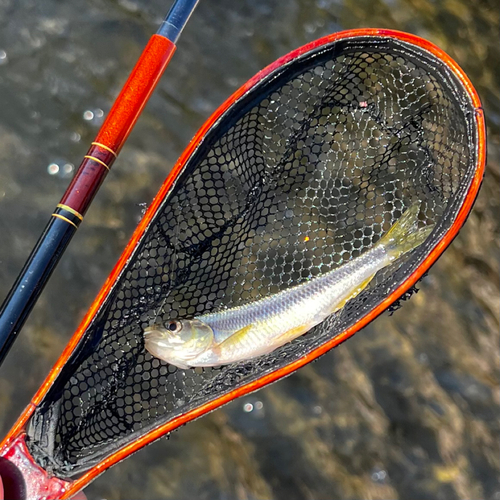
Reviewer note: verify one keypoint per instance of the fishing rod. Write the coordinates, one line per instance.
(96, 164)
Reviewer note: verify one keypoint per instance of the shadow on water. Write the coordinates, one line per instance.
(406, 409)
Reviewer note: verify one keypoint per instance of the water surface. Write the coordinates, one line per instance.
(407, 409)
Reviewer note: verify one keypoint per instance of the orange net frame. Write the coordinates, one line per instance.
(303, 169)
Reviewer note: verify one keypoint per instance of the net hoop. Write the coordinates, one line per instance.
(78, 484)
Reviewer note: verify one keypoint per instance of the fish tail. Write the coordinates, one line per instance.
(405, 235)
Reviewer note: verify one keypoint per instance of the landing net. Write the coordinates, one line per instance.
(304, 171)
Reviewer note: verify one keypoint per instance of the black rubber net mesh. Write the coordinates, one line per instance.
(305, 172)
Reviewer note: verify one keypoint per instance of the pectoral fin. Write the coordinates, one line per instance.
(237, 337)
(238, 347)
(357, 291)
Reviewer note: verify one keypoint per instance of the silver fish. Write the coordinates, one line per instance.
(257, 328)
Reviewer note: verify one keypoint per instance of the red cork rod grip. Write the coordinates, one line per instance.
(119, 123)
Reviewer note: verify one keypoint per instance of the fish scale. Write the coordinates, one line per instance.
(304, 305)
(332, 286)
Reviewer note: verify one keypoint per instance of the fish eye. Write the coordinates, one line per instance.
(174, 326)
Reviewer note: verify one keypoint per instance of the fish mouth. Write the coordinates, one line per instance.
(151, 334)
(151, 329)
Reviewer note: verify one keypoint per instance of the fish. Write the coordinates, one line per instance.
(250, 330)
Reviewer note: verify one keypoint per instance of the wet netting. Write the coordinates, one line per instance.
(303, 172)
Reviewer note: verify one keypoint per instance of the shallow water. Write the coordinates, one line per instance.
(408, 408)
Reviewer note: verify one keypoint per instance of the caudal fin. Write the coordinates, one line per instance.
(405, 234)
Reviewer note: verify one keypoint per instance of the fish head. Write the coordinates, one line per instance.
(177, 341)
